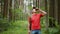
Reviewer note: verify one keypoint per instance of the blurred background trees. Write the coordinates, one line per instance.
(13, 12)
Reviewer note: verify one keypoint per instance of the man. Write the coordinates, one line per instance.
(34, 21)
(29, 20)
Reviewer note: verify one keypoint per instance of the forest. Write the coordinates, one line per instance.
(14, 14)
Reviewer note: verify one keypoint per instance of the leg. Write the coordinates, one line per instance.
(36, 32)
(33, 32)
(39, 32)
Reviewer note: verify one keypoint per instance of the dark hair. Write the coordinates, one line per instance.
(34, 7)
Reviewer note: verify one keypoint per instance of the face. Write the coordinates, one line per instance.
(34, 11)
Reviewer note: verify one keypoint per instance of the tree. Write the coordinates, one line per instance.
(10, 9)
(5, 8)
(46, 9)
(52, 13)
(58, 11)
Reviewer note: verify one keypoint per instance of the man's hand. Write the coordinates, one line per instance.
(29, 31)
(43, 12)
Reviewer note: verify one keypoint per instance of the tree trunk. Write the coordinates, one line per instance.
(34, 3)
(5, 8)
(58, 11)
(10, 10)
(51, 13)
(46, 9)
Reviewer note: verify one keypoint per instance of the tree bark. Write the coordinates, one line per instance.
(51, 13)
(58, 11)
(5, 8)
(10, 10)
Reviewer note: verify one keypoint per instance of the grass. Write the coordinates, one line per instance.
(18, 27)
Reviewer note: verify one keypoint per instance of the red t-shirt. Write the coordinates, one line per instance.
(35, 21)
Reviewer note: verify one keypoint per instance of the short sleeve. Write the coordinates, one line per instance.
(41, 15)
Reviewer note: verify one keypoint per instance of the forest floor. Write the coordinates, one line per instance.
(21, 27)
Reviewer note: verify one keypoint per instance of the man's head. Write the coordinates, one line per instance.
(35, 10)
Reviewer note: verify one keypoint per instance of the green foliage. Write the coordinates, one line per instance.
(30, 7)
(20, 26)
(17, 27)
(42, 8)
(53, 20)
(2, 0)
(4, 25)
(17, 13)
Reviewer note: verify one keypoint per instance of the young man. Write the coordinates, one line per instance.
(29, 20)
(34, 21)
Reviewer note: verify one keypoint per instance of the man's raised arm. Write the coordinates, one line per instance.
(42, 12)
